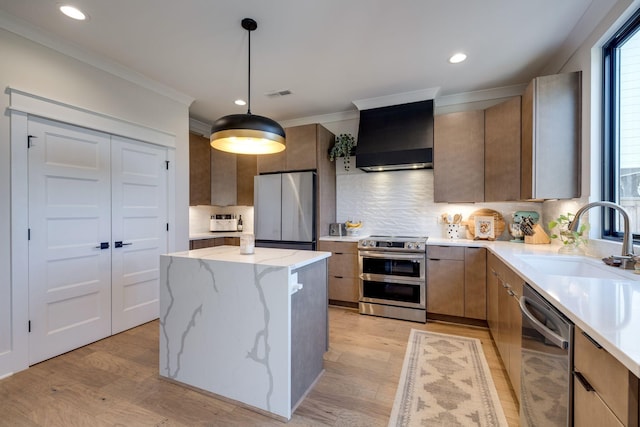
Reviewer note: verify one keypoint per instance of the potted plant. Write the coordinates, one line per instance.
(573, 242)
(342, 148)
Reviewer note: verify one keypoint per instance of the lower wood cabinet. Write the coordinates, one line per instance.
(504, 289)
(605, 391)
(343, 272)
(456, 281)
(214, 241)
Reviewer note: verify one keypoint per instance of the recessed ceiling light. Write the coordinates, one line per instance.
(240, 102)
(73, 12)
(458, 57)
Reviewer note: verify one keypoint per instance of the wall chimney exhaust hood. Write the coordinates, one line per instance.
(396, 137)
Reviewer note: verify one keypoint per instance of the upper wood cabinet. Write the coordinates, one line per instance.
(246, 169)
(527, 148)
(302, 151)
(551, 137)
(223, 178)
(219, 178)
(458, 157)
(502, 131)
(199, 170)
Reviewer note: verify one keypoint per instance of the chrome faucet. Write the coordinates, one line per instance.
(627, 256)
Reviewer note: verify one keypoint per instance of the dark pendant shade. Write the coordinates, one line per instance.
(247, 134)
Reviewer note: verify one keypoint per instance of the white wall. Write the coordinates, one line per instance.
(33, 68)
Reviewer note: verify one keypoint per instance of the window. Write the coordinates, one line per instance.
(621, 174)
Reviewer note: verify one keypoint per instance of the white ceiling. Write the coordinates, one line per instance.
(328, 53)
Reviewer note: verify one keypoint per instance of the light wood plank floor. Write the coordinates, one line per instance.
(114, 382)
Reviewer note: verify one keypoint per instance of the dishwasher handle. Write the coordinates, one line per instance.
(554, 338)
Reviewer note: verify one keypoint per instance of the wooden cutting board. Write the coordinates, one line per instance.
(498, 224)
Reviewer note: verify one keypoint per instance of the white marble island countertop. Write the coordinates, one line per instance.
(263, 256)
(606, 308)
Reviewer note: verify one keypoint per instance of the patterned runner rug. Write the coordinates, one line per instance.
(445, 381)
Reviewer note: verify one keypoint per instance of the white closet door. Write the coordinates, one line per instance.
(139, 221)
(69, 218)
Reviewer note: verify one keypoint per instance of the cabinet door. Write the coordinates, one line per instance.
(492, 295)
(475, 283)
(611, 380)
(199, 170)
(246, 169)
(504, 302)
(502, 151)
(514, 339)
(301, 147)
(445, 287)
(551, 138)
(458, 151)
(590, 410)
(273, 162)
(223, 178)
(343, 270)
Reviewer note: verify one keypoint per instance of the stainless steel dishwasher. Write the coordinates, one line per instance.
(546, 395)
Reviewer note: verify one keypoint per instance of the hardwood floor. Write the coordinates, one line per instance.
(114, 382)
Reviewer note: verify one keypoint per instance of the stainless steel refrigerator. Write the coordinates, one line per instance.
(285, 210)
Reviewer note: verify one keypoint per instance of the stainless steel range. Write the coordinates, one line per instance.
(393, 277)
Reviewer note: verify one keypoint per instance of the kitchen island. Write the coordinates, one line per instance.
(250, 328)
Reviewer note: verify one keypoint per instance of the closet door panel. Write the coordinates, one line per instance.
(69, 219)
(139, 222)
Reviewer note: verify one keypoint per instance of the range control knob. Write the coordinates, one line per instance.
(363, 243)
(409, 245)
(418, 245)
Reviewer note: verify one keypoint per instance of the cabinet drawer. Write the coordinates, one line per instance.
(205, 243)
(611, 380)
(343, 289)
(446, 252)
(338, 247)
(232, 241)
(590, 410)
(343, 264)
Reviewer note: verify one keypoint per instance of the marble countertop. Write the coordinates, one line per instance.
(263, 256)
(214, 234)
(607, 309)
(342, 238)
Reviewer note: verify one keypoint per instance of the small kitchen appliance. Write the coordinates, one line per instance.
(337, 229)
(223, 222)
(393, 271)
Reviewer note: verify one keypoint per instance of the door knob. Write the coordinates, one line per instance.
(103, 245)
(119, 244)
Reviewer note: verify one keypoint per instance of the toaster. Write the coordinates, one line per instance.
(229, 224)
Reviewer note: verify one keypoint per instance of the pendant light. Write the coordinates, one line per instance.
(247, 133)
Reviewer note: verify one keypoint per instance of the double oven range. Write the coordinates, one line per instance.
(393, 277)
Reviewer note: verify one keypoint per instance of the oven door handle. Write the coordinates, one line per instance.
(393, 255)
(556, 339)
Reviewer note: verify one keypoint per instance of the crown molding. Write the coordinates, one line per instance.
(480, 95)
(30, 32)
(323, 118)
(199, 128)
(396, 98)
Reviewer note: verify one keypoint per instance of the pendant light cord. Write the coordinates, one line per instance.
(249, 76)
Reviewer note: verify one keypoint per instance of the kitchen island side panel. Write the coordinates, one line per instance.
(309, 329)
(225, 328)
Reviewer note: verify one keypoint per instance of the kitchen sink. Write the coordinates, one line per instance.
(574, 266)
